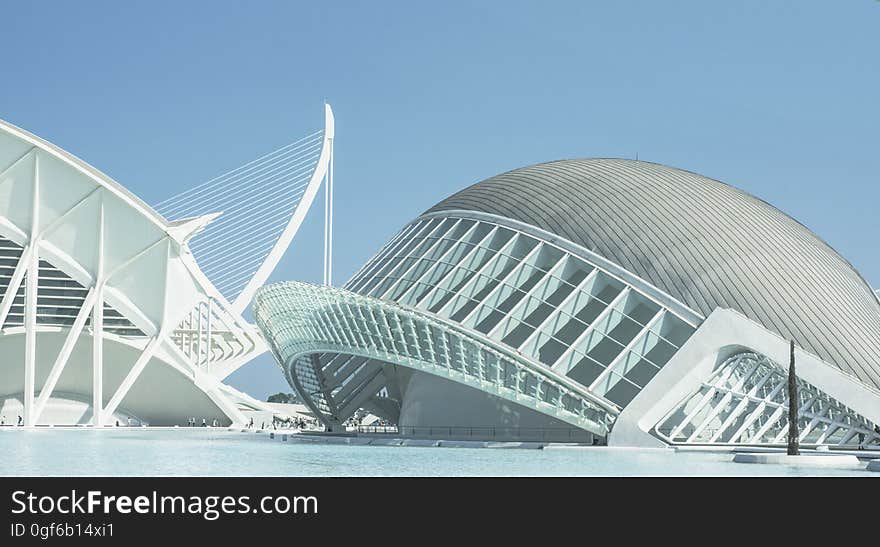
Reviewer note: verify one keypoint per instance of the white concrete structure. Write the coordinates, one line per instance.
(593, 300)
(112, 312)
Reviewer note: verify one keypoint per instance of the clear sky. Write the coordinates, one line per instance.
(777, 98)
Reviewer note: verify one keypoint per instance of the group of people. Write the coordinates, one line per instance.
(191, 422)
(3, 420)
(290, 423)
(357, 421)
(21, 421)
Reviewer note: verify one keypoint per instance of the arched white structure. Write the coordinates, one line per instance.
(608, 300)
(106, 314)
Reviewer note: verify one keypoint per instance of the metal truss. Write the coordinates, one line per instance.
(745, 401)
(332, 344)
(535, 297)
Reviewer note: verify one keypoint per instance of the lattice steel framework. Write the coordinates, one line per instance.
(552, 306)
(513, 300)
(301, 321)
(745, 401)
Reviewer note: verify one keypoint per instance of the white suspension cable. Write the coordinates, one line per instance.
(257, 176)
(284, 186)
(244, 228)
(207, 183)
(261, 204)
(220, 255)
(252, 181)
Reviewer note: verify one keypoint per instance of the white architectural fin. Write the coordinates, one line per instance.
(184, 229)
(264, 203)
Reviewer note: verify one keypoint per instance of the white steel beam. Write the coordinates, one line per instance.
(573, 348)
(624, 353)
(402, 276)
(741, 406)
(521, 265)
(64, 354)
(30, 302)
(725, 400)
(439, 261)
(578, 290)
(758, 411)
(98, 330)
(132, 375)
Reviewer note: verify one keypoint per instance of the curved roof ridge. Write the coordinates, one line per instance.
(686, 233)
(86, 168)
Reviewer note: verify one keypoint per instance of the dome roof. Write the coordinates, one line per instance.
(704, 242)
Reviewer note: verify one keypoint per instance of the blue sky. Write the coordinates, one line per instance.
(777, 98)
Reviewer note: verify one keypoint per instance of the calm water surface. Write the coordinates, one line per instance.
(219, 452)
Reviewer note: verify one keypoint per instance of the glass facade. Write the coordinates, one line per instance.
(333, 345)
(551, 306)
(745, 401)
(519, 316)
(59, 298)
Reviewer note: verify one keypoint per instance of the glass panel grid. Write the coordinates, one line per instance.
(745, 402)
(554, 307)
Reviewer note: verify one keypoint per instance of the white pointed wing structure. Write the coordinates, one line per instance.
(105, 314)
(262, 205)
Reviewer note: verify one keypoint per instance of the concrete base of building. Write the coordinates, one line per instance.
(802, 460)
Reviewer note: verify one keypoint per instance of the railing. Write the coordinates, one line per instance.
(550, 434)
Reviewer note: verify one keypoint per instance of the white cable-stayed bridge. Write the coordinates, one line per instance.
(251, 213)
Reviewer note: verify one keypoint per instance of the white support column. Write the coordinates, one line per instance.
(30, 302)
(191, 326)
(199, 344)
(30, 342)
(64, 354)
(208, 345)
(330, 184)
(226, 405)
(132, 375)
(328, 218)
(98, 331)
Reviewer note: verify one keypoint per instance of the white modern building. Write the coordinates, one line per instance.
(114, 310)
(603, 300)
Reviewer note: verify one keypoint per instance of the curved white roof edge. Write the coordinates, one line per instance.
(88, 170)
(173, 228)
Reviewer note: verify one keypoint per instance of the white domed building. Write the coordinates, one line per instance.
(602, 300)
